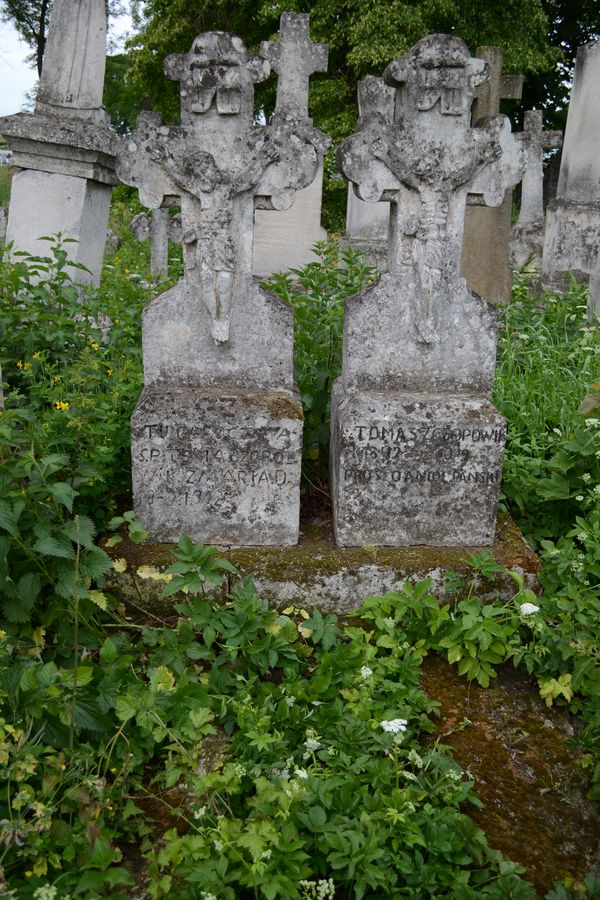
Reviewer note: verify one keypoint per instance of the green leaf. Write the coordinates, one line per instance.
(81, 530)
(8, 520)
(50, 546)
(63, 493)
(108, 651)
(125, 707)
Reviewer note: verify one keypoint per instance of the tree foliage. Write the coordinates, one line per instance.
(30, 18)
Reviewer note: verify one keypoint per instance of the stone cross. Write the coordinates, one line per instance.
(497, 87)
(416, 443)
(161, 228)
(295, 58)
(485, 257)
(536, 140)
(217, 433)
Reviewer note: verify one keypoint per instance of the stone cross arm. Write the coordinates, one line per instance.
(295, 58)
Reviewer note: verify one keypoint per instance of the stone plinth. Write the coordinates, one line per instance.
(316, 573)
(415, 469)
(573, 218)
(222, 468)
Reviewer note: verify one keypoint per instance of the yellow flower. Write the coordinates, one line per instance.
(37, 355)
(27, 365)
(60, 404)
(127, 271)
(116, 394)
(95, 345)
(19, 365)
(109, 372)
(56, 379)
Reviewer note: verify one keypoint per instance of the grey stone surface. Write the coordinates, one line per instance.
(2, 223)
(419, 346)
(65, 149)
(527, 244)
(283, 239)
(217, 349)
(573, 218)
(594, 295)
(415, 469)
(222, 468)
(485, 261)
(535, 140)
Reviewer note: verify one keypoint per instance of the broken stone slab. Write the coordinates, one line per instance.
(316, 573)
(159, 227)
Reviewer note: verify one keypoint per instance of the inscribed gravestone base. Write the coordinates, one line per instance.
(217, 433)
(416, 443)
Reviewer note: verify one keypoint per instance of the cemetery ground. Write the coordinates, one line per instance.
(231, 750)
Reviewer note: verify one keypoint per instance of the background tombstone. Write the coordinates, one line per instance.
(66, 150)
(416, 443)
(217, 432)
(573, 218)
(527, 237)
(283, 239)
(2, 223)
(370, 221)
(485, 261)
(159, 227)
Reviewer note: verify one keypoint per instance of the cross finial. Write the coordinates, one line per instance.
(295, 58)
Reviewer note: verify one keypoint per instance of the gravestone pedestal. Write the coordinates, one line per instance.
(415, 469)
(222, 468)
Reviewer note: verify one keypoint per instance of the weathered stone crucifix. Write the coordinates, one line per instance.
(220, 163)
(426, 163)
(416, 443)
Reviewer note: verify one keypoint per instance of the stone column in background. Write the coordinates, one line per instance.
(527, 237)
(65, 150)
(417, 446)
(572, 236)
(160, 228)
(217, 432)
(485, 261)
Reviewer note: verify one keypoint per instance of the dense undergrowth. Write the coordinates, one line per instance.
(329, 780)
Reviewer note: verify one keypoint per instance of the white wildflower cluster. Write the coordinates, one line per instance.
(312, 743)
(394, 726)
(240, 770)
(198, 813)
(389, 623)
(453, 775)
(206, 895)
(365, 673)
(323, 889)
(289, 701)
(597, 487)
(45, 892)
(592, 422)
(528, 609)
(587, 477)
(218, 845)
